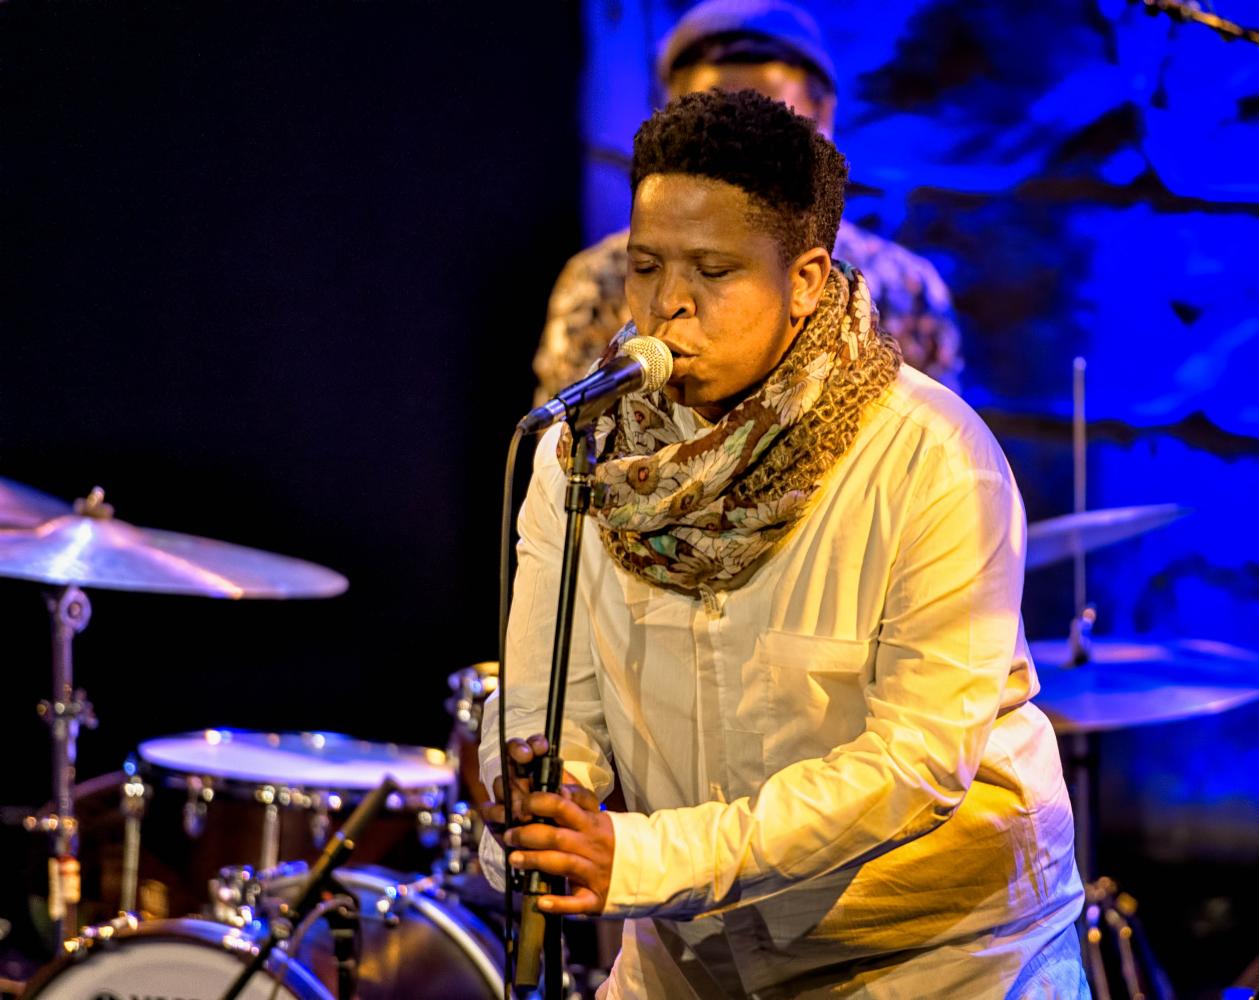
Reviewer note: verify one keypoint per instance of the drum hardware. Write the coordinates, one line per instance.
(237, 893)
(461, 841)
(470, 687)
(135, 794)
(1107, 915)
(44, 541)
(1113, 938)
(337, 852)
(418, 941)
(68, 708)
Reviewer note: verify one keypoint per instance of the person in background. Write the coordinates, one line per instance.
(774, 48)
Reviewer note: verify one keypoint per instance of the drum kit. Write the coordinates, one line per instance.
(192, 853)
(196, 847)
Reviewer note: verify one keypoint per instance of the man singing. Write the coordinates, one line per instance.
(797, 645)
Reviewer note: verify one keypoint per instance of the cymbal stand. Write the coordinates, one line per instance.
(1081, 626)
(1108, 913)
(65, 711)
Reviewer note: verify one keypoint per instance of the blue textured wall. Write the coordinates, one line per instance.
(1085, 177)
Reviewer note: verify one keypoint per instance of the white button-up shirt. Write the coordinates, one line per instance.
(835, 766)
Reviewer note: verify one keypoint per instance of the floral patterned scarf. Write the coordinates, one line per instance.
(704, 510)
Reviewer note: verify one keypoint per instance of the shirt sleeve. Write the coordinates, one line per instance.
(947, 637)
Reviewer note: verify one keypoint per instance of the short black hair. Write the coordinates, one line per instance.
(792, 173)
(746, 48)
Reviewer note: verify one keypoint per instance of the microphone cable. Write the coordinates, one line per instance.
(504, 605)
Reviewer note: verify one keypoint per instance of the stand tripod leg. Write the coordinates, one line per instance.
(1093, 952)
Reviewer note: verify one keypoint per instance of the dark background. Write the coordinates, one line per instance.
(274, 274)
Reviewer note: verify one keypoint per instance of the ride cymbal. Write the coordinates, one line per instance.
(1060, 538)
(23, 507)
(1126, 683)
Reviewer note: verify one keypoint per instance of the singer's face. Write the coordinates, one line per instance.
(703, 279)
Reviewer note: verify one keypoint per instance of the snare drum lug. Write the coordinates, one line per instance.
(429, 826)
(194, 813)
(319, 823)
(135, 795)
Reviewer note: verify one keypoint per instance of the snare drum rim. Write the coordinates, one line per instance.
(293, 976)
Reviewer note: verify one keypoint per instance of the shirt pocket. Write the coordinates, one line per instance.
(817, 690)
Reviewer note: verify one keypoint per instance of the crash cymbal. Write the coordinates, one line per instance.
(23, 507)
(90, 548)
(1137, 683)
(1060, 538)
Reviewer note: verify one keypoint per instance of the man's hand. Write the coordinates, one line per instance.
(520, 754)
(579, 847)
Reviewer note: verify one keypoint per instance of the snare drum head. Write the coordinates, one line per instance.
(304, 760)
(189, 959)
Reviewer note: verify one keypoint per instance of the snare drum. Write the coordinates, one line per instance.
(227, 797)
(168, 958)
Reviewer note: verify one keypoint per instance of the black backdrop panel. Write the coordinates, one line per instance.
(274, 274)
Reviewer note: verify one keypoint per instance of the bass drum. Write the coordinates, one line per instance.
(415, 941)
(193, 959)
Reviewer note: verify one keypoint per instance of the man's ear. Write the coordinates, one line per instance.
(809, 272)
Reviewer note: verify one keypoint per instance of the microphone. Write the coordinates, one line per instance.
(644, 364)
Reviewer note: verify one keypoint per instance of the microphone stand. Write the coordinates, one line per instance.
(540, 932)
(339, 848)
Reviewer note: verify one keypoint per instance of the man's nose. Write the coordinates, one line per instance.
(673, 299)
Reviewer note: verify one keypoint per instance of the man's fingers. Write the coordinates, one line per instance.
(582, 900)
(561, 863)
(524, 751)
(564, 811)
(519, 751)
(494, 812)
(583, 797)
(541, 837)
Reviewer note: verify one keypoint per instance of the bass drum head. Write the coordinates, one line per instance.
(189, 959)
(416, 943)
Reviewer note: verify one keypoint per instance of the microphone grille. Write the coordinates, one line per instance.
(656, 359)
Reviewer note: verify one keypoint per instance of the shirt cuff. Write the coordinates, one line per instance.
(649, 875)
(493, 863)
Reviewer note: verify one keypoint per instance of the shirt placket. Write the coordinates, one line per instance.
(707, 626)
